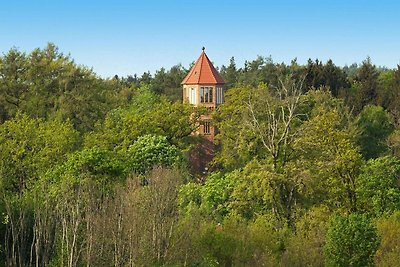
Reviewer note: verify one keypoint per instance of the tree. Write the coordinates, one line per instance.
(13, 88)
(375, 126)
(314, 75)
(335, 78)
(168, 82)
(77, 188)
(230, 73)
(29, 148)
(386, 93)
(378, 188)
(305, 246)
(274, 120)
(147, 114)
(388, 229)
(367, 77)
(395, 96)
(251, 74)
(149, 151)
(351, 241)
(48, 84)
(328, 156)
(262, 123)
(236, 152)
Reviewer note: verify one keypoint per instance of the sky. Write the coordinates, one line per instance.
(128, 37)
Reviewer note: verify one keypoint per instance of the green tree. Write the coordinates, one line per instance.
(305, 246)
(150, 151)
(48, 84)
(13, 88)
(29, 148)
(335, 78)
(314, 74)
(329, 159)
(235, 152)
(386, 94)
(246, 192)
(395, 96)
(78, 189)
(375, 126)
(388, 252)
(262, 123)
(230, 73)
(168, 82)
(146, 114)
(378, 189)
(211, 198)
(367, 77)
(351, 241)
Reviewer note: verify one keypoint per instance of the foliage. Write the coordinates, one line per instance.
(378, 186)
(147, 114)
(236, 152)
(305, 246)
(375, 126)
(296, 143)
(351, 241)
(103, 166)
(329, 158)
(169, 82)
(328, 75)
(47, 84)
(29, 147)
(151, 150)
(367, 77)
(245, 192)
(388, 229)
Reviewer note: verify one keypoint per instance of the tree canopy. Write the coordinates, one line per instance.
(94, 171)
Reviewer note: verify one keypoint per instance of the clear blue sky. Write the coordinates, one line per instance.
(127, 37)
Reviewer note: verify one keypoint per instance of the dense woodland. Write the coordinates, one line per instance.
(94, 171)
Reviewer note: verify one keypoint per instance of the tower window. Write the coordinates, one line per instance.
(206, 94)
(192, 96)
(219, 95)
(207, 127)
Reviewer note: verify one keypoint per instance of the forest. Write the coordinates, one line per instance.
(95, 171)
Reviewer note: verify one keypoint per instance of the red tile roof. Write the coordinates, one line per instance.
(203, 72)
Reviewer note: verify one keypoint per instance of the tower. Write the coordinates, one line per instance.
(204, 87)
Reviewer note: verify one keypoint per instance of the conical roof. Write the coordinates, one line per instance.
(203, 72)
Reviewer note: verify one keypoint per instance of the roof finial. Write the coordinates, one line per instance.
(203, 48)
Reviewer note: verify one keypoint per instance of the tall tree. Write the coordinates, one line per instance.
(230, 73)
(328, 156)
(351, 241)
(148, 113)
(13, 83)
(266, 121)
(367, 77)
(47, 84)
(29, 148)
(335, 78)
(375, 126)
(394, 106)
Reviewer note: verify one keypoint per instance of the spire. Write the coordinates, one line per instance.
(203, 72)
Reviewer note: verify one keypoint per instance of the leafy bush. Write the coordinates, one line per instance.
(351, 241)
(152, 150)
